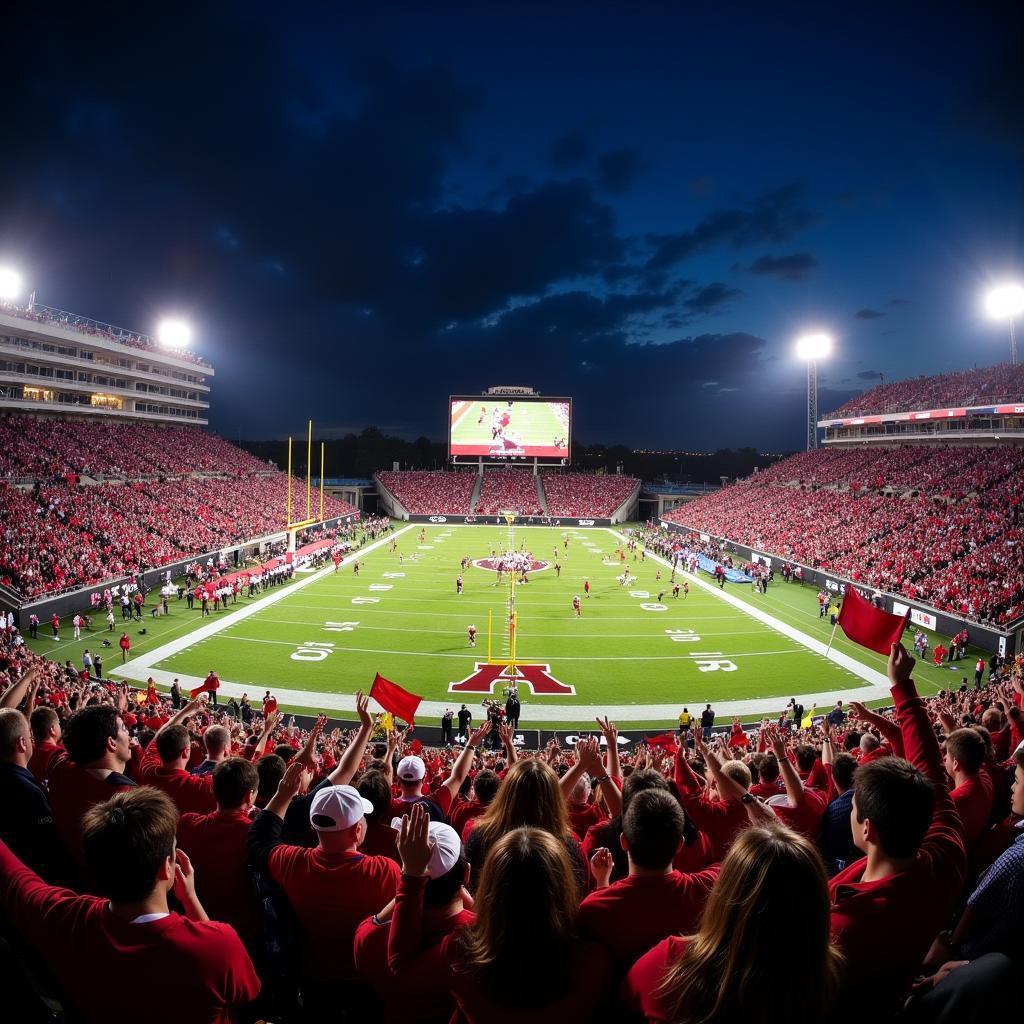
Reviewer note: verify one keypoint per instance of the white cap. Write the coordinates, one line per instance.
(445, 844)
(411, 769)
(336, 808)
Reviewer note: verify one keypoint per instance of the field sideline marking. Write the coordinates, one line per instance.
(138, 667)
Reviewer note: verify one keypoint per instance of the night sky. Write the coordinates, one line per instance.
(640, 205)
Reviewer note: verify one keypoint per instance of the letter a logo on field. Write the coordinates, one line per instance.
(486, 677)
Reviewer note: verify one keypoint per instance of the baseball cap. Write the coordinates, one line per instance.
(447, 846)
(336, 808)
(411, 769)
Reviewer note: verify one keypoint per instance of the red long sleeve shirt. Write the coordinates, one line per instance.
(87, 948)
(973, 799)
(640, 990)
(719, 820)
(192, 794)
(885, 927)
(630, 916)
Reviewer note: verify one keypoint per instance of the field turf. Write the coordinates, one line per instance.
(315, 642)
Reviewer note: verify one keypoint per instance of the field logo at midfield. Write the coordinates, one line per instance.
(491, 564)
(486, 677)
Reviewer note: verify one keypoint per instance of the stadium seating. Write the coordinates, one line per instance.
(991, 384)
(60, 534)
(430, 492)
(513, 489)
(582, 494)
(947, 536)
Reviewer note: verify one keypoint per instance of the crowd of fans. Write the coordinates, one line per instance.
(512, 489)
(83, 325)
(176, 493)
(986, 386)
(430, 492)
(868, 863)
(942, 526)
(586, 494)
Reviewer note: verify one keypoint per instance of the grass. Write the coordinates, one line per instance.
(400, 616)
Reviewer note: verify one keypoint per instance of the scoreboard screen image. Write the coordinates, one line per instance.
(494, 426)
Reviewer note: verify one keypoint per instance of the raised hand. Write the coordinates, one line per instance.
(477, 735)
(363, 710)
(588, 754)
(414, 844)
(291, 781)
(610, 730)
(901, 665)
(601, 865)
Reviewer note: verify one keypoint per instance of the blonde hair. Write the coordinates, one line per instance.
(729, 969)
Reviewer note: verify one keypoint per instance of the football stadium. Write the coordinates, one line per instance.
(551, 698)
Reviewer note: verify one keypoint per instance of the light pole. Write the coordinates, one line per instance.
(811, 348)
(1006, 302)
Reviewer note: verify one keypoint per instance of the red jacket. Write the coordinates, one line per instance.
(193, 794)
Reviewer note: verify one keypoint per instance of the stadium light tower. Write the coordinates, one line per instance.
(174, 334)
(10, 284)
(1006, 302)
(811, 348)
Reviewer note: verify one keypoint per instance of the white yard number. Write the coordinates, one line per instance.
(366, 600)
(654, 607)
(640, 593)
(381, 586)
(312, 652)
(713, 665)
(339, 627)
(682, 636)
(394, 575)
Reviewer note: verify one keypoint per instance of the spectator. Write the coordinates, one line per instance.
(165, 763)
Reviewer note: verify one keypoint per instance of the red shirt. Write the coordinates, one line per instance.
(42, 755)
(442, 796)
(884, 928)
(631, 916)
(86, 947)
(806, 818)
(973, 800)
(73, 790)
(640, 990)
(582, 816)
(331, 894)
(464, 811)
(434, 1004)
(721, 820)
(215, 843)
(193, 794)
(381, 840)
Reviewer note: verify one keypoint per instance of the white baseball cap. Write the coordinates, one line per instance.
(446, 845)
(411, 769)
(336, 808)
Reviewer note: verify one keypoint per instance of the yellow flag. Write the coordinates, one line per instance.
(808, 719)
(387, 721)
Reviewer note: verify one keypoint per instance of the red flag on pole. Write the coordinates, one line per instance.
(666, 741)
(391, 697)
(869, 626)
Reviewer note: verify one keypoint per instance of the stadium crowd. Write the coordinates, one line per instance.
(62, 533)
(513, 489)
(949, 536)
(984, 386)
(430, 492)
(585, 494)
(286, 874)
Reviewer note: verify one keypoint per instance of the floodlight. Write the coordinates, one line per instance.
(10, 284)
(1005, 302)
(174, 334)
(813, 346)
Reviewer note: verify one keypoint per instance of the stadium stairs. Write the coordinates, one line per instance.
(541, 496)
(392, 506)
(475, 496)
(627, 510)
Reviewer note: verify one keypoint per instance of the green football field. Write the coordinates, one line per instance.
(640, 659)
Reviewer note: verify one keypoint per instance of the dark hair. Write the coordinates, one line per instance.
(439, 892)
(374, 786)
(967, 747)
(485, 785)
(42, 721)
(898, 800)
(653, 826)
(805, 757)
(769, 769)
(126, 839)
(87, 732)
(270, 768)
(285, 751)
(851, 740)
(172, 742)
(233, 780)
(844, 768)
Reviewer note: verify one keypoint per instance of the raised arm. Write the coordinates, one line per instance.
(15, 694)
(794, 787)
(886, 726)
(353, 755)
(465, 760)
(588, 759)
(611, 739)
(507, 739)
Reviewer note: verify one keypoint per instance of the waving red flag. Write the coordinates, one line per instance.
(869, 626)
(391, 697)
(666, 741)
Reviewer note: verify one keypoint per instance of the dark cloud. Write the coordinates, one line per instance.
(618, 169)
(571, 149)
(795, 267)
(899, 302)
(869, 375)
(867, 314)
(711, 297)
(774, 216)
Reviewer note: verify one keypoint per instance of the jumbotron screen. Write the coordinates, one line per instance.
(495, 426)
